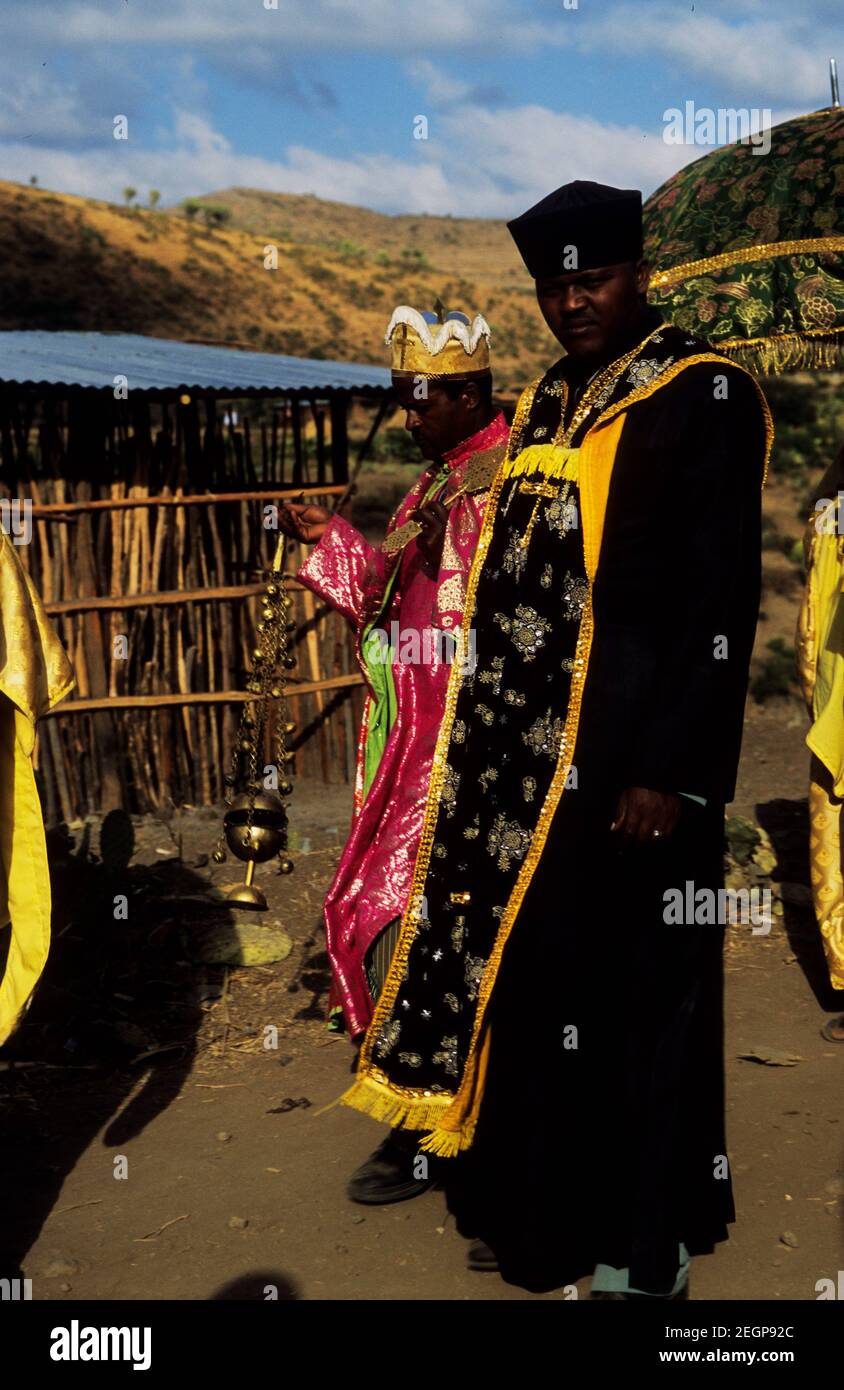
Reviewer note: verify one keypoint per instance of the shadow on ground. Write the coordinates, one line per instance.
(116, 1016)
(264, 1284)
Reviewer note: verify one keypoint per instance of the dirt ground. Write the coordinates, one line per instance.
(155, 1147)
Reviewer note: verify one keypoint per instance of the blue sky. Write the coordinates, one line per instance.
(320, 96)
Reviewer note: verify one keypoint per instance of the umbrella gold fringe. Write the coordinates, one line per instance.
(790, 352)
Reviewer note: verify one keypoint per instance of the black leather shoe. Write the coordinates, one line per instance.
(481, 1258)
(640, 1297)
(387, 1175)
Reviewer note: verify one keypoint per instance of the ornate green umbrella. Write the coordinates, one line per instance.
(748, 248)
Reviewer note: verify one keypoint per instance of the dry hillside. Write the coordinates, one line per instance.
(78, 263)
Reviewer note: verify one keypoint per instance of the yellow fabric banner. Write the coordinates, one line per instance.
(35, 674)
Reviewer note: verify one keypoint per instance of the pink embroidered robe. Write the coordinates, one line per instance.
(373, 880)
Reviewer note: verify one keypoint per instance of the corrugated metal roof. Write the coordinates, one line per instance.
(37, 357)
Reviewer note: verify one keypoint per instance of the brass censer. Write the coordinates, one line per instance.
(255, 823)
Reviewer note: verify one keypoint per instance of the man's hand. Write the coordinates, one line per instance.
(303, 522)
(432, 518)
(643, 815)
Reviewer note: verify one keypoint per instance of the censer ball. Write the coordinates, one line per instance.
(268, 829)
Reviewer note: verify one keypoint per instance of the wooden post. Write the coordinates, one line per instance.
(298, 457)
(338, 409)
(318, 412)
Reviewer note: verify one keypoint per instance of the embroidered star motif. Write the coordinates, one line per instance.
(426, 1013)
(437, 955)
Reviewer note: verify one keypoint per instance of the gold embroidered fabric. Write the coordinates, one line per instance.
(826, 868)
(35, 672)
(745, 255)
(820, 662)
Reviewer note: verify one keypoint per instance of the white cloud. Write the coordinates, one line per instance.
(439, 87)
(481, 159)
(34, 107)
(200, 159)
(508, 159)
(393, 26)
(478, 163)
(778, 55)
(772, 50)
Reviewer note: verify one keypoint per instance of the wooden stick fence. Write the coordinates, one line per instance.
(154, 588)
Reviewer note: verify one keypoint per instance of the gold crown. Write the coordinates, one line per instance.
(437, 345)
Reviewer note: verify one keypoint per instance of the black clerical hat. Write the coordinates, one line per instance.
(578, 227)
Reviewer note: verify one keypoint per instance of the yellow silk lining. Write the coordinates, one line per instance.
(24, 871)
(674, 370)
(35, 674)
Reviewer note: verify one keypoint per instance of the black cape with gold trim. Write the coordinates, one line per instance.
(624, 1153)
(613, 1149)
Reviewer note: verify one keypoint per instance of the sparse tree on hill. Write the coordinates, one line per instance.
(215, 216)
(130, 194)
(190, 207)
(154, 197)
(33, 179)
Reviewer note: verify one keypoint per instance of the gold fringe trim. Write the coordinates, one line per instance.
(445, 1143)
(550, 460)
(378, 1100)
(811, 350)
(411, 1110)
(745, 255)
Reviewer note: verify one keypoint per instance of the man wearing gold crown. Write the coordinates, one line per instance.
(405, 600)
(550, 1015)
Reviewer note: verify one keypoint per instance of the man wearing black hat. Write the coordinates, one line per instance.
(552, 1016)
